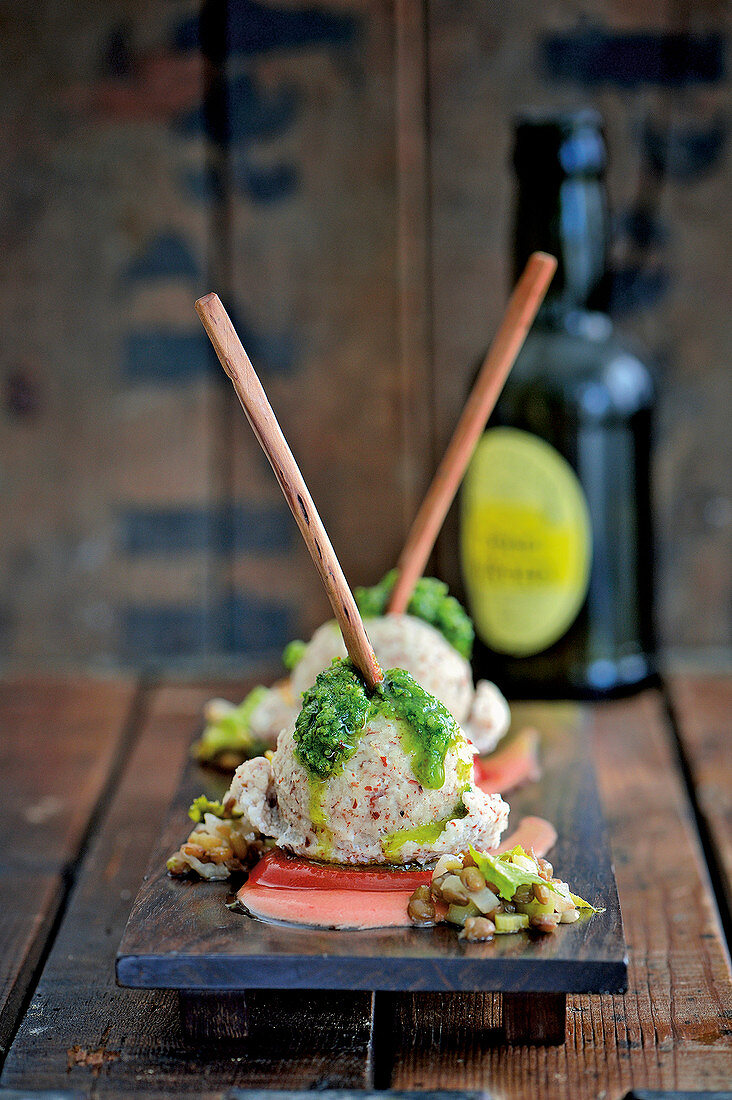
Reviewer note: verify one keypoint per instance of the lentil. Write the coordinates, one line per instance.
(542, 894)
(421, 911)
(545, 922)
(569, 916)
(472, 880)
(523, 895)
(478, 929)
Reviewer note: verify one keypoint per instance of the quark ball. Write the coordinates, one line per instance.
(382, 802)
(400, 641)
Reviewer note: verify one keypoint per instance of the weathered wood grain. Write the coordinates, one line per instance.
(319, 272)
(180, 934)
(703, 712)
(103, 418)
(673, 1027)
(535, 1021)
(59, 743)
(77, 1003)
(59, 739)
(30, 902)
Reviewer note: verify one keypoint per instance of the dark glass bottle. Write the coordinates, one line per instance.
(555, 527)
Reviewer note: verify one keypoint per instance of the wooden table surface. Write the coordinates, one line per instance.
(87, 769)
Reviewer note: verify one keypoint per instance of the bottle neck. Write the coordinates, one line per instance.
(567, 217)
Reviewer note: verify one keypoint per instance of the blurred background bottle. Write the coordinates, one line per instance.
(556, 525)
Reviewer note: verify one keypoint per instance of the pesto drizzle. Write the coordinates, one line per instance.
(428, 729)
(393, 843)
(335, 711)
(333, 715)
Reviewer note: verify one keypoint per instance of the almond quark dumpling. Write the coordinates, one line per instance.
(399, 641)
(433, 643)
(357, 779)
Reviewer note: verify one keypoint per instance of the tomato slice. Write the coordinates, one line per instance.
(511, 766)
(287, 872)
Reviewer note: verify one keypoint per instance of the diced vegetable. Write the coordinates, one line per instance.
(485, 900)
(513, 891)
(447, 863)
(458, 914)
(510, 922)
(536, 908)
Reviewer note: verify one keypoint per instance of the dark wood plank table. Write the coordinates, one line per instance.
(62, 743)
(701, 707)
(112, 753)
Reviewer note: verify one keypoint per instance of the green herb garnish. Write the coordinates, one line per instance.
(292, 653)
(430, 601)
(229, 730)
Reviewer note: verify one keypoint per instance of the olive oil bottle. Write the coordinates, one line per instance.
(555, 513)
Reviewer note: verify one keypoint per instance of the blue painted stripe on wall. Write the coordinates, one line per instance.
(167, 256)
(243, 528)
(255, 28)
(592, 57)
(242, 625)
(159, 356)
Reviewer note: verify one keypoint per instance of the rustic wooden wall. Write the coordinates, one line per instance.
(339, 171)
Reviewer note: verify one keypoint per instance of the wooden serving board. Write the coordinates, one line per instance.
(181, 935)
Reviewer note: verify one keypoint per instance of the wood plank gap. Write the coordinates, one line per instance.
(715, 869)
(45, 937)
(414, 205)
(382, 1041)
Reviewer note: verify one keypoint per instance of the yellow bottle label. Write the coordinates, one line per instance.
(526, 542)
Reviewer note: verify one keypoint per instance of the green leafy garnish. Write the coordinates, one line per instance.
(430, 601)
(506, 875)
(292, 653)
(580, 903)
(229, 730)
(203, 805)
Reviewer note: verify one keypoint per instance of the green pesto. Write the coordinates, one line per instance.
(317, 815)
(464, 772)
(292, 653)
(393, 843)
(333, 715)
(337, 707)
(428, 729)
(430, 601)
